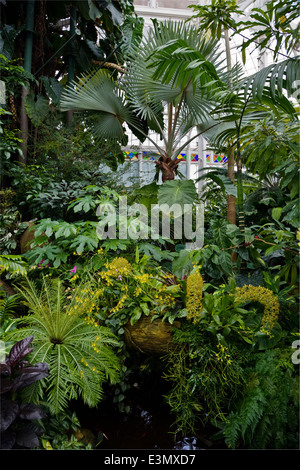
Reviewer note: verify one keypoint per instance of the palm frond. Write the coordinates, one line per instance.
(163, 69)
(277, 78)
(8, 304)
(80, 354)
(98, 92)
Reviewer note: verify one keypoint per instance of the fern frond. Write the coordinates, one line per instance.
(8, 305)
(262, 418)
(80, 354)
(13, 264)
(232, 430)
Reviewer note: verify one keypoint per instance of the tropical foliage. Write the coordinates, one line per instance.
(17, 430)
(77, 350)
(99, 301)
(139, 98)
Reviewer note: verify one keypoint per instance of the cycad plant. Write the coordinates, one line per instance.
(170, 97)
(79, 351)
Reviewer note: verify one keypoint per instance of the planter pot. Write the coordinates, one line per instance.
(150, 337)
(26, 238)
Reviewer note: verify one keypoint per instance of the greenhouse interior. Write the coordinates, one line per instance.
(149, 228)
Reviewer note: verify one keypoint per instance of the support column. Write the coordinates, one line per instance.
(188, 160)
(140, 165)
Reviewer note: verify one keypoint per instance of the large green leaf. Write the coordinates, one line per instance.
(116, 15)
(37, 109)
(53, 88)
(177, 192)
(222, 180)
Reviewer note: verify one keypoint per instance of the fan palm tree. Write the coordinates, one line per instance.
(242, 99)
(170, 98)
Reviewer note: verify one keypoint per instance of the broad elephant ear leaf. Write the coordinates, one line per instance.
(36, 108)
(177, 192)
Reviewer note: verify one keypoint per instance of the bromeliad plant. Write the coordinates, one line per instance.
(79, 351)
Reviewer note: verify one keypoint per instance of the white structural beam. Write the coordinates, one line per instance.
(162, 13)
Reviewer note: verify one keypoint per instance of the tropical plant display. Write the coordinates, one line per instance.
(117, 291)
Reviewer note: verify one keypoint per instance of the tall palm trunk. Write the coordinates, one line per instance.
(27, 66)
(240, 188)
(231, 212)
(167, 167)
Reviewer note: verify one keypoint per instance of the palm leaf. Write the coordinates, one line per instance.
(98, 92)
(277, 78)
(67, 342)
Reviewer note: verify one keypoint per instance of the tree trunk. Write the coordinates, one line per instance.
(167, 167)
(27, 67)
(23, 128)
(240, 188)
(231, 212)
(71, 59)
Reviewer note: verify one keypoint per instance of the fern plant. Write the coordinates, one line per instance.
(8, 306)
(13, 265)
(267, 413)
(79, 351)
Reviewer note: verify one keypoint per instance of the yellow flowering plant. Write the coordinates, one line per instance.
(130, 290)
(194, 287)
(263, 296)
(226, 309)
